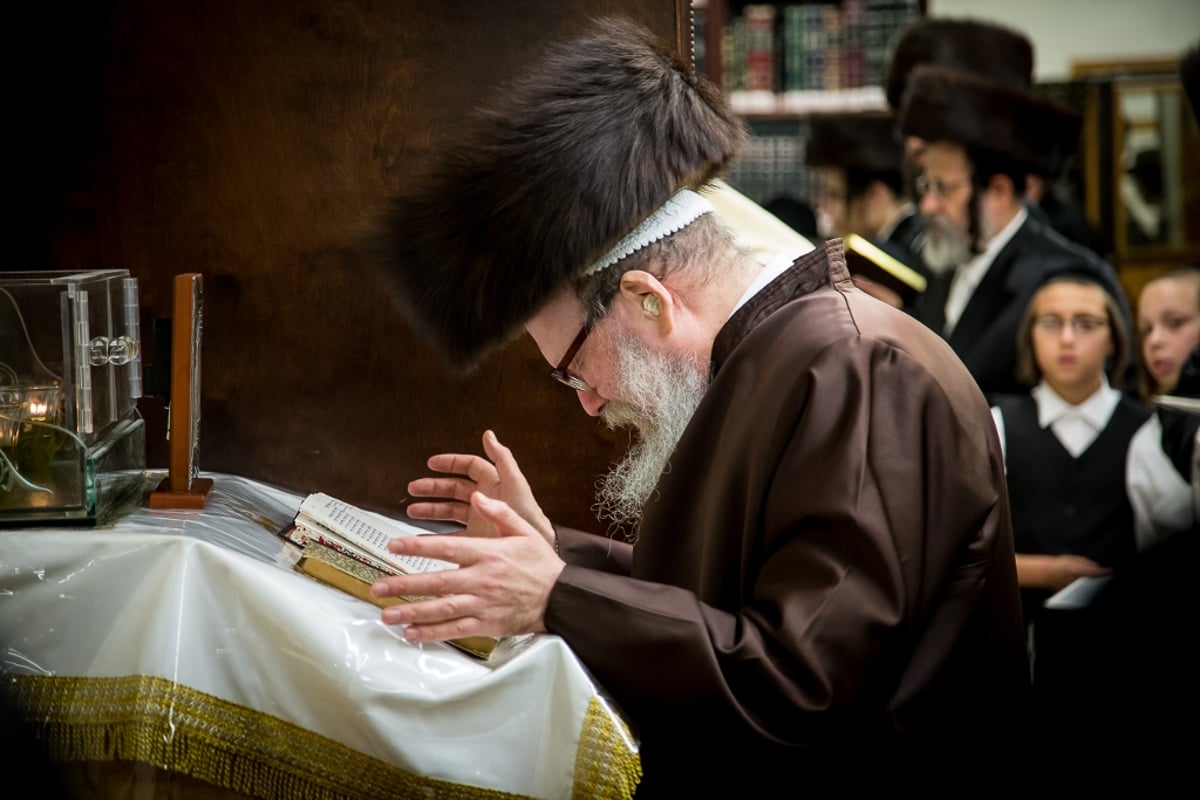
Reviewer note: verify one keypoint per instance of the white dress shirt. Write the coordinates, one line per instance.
(1161, 499)
(968, 276)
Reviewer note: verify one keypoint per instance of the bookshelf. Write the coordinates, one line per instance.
(780, 62)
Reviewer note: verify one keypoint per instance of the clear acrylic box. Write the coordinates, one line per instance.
(72, 442)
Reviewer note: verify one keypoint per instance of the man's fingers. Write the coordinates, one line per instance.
(435, 619)
(456, 512)
(502, 457)
(452, 463)
(457, 488)
(444, 547)
(500, 514)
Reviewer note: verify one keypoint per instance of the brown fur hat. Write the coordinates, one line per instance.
(865, 140)
(597, 134)
(983, 48)
(1189, 76)
(952, 105)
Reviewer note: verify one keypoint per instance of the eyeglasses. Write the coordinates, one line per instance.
(940, 188)
(564, 375)
(1081, 325)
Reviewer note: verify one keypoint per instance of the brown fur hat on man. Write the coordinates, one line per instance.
(858, 140)
(982, 48)
(595, 137)
(952, 105)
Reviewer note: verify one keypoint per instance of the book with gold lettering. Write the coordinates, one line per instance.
(354, 577)
(345, 547)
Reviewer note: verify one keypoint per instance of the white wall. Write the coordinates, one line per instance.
(1065, 31)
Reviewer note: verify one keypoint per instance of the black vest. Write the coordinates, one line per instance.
(1062, 504)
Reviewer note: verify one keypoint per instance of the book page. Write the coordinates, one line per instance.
(1079, 593)
(369, 531)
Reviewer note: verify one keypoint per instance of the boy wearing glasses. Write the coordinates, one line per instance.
(809, 583)
(981, 140)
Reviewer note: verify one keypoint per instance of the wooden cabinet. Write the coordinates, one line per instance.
(252, 143)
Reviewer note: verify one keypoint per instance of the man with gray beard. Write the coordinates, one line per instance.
(981, 138)
(973, 45)
(661, 391)
(821, 589)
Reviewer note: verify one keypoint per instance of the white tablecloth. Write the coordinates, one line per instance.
(184, 639)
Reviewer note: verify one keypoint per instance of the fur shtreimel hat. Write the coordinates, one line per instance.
(983, 48)
(951, 105)
(1189, 76)
(865, 140)
(597, 135)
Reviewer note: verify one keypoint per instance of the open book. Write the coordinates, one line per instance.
(346, 547)
(360, 534)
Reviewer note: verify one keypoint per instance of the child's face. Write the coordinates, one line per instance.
(1071, 337)
(1168, 327)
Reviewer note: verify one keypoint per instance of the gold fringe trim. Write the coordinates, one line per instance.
(606, 765)
(158, 722)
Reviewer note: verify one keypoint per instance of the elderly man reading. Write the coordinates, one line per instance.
(821, 571)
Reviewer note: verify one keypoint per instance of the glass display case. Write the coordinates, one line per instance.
(72, 442)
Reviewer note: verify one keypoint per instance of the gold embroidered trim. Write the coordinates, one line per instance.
(606, 765)
(158, 722)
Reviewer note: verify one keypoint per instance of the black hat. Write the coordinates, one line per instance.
(949, 104)
(864, 140)
(597, 135)
(983, 48)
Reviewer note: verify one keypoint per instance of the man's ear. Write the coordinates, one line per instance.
(650, 300)
(1002, 187)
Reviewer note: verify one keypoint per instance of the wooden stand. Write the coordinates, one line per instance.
(181, 488)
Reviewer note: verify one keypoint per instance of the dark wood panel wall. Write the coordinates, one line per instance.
(251, 142)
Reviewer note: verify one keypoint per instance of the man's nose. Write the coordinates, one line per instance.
(930, 203)
(592, 402)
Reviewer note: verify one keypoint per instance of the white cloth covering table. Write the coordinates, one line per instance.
(184, 639)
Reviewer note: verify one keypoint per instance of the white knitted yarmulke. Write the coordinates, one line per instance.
(676, 214)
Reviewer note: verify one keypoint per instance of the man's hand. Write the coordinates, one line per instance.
(497, 476)
(501, 587)
(1055, 572)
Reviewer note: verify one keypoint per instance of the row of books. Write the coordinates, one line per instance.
(772, 165)
(806, 47)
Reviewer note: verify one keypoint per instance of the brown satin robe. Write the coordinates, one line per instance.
(826, 573)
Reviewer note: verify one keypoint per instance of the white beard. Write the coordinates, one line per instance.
(944, 248)
(661, 394)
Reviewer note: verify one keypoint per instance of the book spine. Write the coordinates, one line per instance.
(334, 544)
(305, 534)
(760, 47)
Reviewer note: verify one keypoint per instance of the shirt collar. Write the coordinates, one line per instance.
(997, 242)
(1096, 410)
(770, 271)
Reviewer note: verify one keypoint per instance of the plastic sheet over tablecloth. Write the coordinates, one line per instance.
(203, 611)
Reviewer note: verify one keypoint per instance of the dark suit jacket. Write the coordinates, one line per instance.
(905, 236)
(985, 337)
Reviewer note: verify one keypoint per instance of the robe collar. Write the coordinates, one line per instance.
(823, 266)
